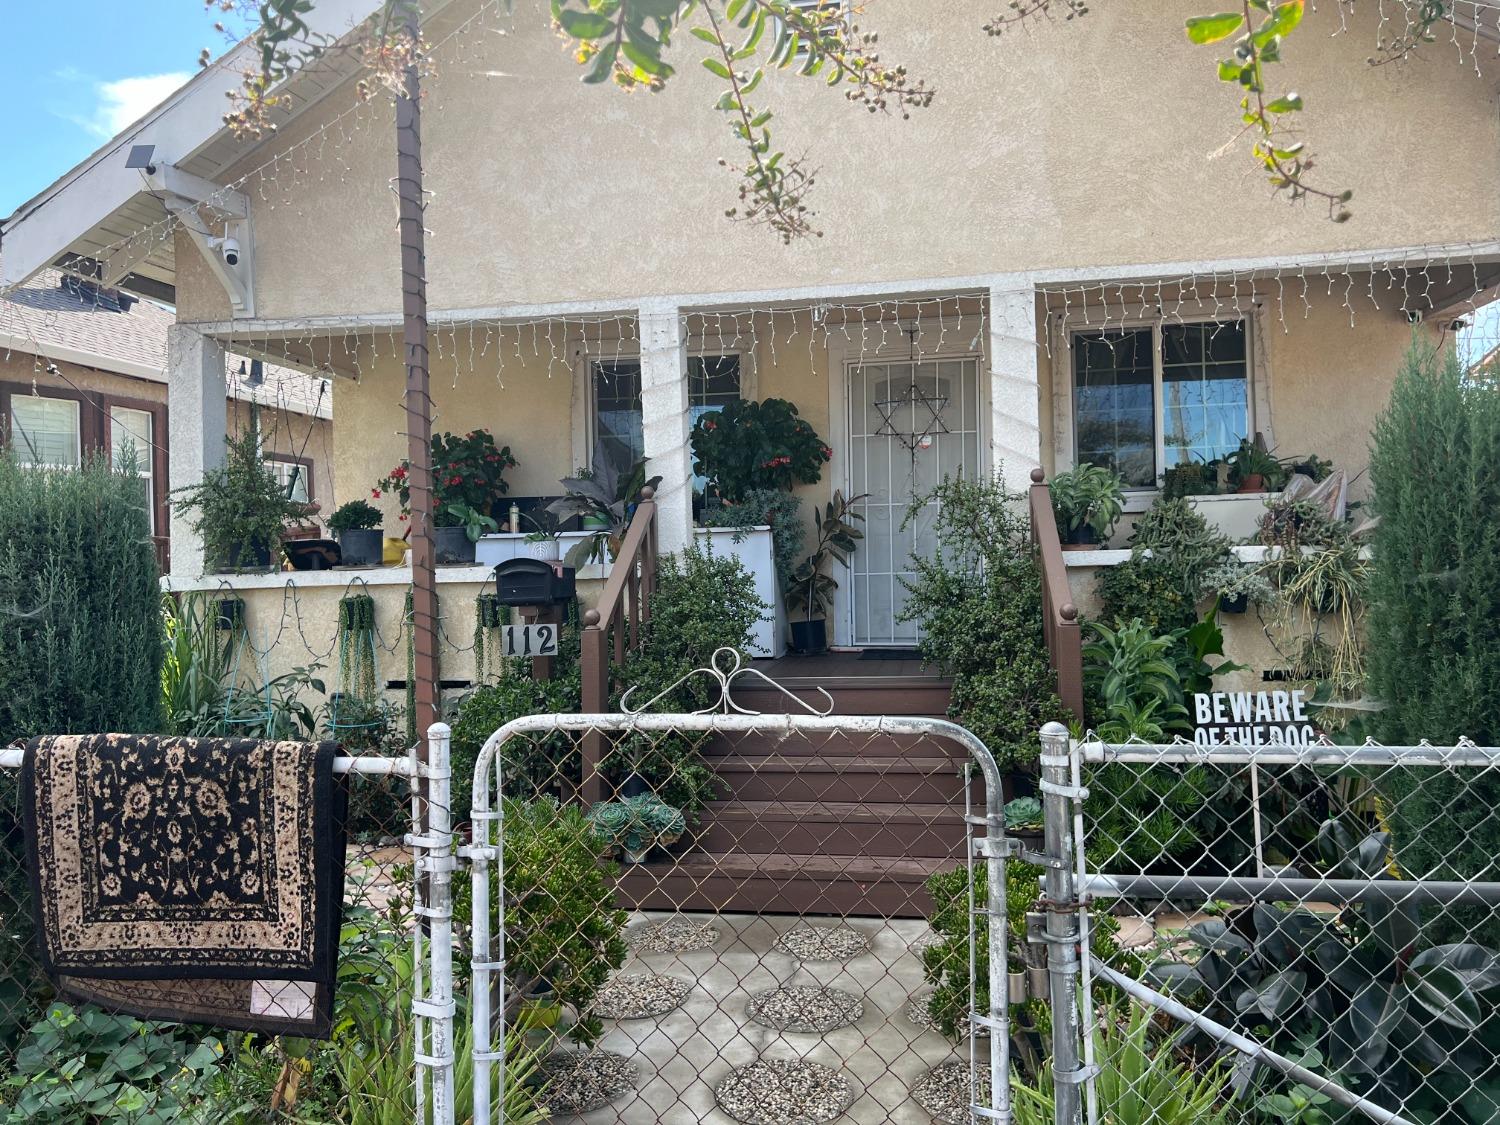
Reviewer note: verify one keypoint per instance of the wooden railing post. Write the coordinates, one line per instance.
(1059, 614)
(613, 628)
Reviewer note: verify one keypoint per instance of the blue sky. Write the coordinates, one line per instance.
(76, 72)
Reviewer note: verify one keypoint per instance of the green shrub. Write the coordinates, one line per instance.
(238, 506)
(749, 445)
(81, 642)
(778, 509)
(1173, 552)
(1434, 649)
(978, 600)
(703, 602)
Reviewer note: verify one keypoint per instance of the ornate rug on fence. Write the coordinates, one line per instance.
(191, 879)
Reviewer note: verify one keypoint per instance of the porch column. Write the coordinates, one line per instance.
(665, 422)
(195, 427)
(1015, 402)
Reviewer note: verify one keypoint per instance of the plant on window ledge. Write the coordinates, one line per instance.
(1089, 500)
(239, 507)
(356, 525)
(757, 445)
(1195, 478)
(604, 499)
(1252, 468)
(468, 474)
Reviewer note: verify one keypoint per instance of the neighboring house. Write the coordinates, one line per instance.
(83, 371)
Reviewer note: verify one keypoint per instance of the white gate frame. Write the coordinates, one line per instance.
(488, 948)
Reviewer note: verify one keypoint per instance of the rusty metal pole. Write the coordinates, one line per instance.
(418, 398)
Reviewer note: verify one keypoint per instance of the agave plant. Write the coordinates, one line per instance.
(603, 495)
(1392, 1015)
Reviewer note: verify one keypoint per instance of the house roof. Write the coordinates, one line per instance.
(93, 210)
(60, 317)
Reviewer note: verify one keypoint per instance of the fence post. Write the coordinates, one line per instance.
(1061, 931)
(435, 865)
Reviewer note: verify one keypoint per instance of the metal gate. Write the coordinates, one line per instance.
(626, 985)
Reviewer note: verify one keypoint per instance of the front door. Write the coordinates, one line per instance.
(911, 423)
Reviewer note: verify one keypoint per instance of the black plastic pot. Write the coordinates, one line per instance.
(634, 785)
(453, 546)
(809, 637)
(1082, 536)
(311, 554)
(362, 546)
(1237, 604)
(251, 555)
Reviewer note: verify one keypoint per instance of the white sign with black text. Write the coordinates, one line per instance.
(1252, 718)
(529, 640)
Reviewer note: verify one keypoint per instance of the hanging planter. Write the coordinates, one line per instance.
(355, 709)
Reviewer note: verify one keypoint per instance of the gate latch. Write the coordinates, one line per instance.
(991, 848)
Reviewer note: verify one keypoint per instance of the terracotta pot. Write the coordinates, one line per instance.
(1253, 483)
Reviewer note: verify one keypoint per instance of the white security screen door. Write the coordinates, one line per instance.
(911, 423)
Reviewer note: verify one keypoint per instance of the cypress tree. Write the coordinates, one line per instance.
(1434, 620)
(80, 606)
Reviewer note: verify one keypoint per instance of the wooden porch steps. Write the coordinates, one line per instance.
(848, 824)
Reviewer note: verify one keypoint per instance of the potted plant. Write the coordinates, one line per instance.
(1237, 585)
(635, 825)
(1252, 468)
(1088, 501)
(239, 508)
(809, 589)
(1193, 478)
(748, 446)
(468, 480)
(356, 526)
(604, 500)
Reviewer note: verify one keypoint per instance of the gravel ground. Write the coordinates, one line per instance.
(944, 1091)
(672, 935)
(805, 1008)
(638, 996)
(784, 1092)
(580, 1081)
(926, 940)
(918, 1013)
(823, 943)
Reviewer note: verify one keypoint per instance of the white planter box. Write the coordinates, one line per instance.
(753, 549)
(491, 550)
(1237, 515)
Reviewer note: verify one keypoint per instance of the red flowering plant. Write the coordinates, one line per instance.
(468, 475)
(751, 446)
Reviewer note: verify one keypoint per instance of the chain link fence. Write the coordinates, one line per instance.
(70, 1062)
(780, 918)
(1303, 933)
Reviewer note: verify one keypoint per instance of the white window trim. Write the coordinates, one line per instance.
(1065, 326)
(146, 467)
(629, 351)
(77, 429)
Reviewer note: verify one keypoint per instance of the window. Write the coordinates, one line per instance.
(292, 476)
(713, 380)
(45, 431)
(130, 438)
(1145, 399)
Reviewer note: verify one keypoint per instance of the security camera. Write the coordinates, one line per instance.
(231, 249)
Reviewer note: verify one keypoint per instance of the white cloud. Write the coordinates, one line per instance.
(123, 101)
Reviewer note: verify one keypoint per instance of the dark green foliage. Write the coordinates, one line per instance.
(703, 602)
(238, 506)
(778, 509)
(532, 765)
(979, 603)
(757, 445)
(1163, 589)
(80, 618)
(1434, 644)
(562, 931)
(810, 588)
(85, 1065)
(356, 515)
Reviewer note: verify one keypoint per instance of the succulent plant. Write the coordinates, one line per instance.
(637, 824)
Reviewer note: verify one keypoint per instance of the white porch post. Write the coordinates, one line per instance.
(665, 423)
(1015, 406)
(195, 425)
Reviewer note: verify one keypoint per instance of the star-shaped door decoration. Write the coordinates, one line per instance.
(917, 398)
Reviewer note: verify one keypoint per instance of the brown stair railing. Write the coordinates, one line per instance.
(613, 628)
(1059, 614)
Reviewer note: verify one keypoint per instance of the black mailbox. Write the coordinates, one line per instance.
(533, 582)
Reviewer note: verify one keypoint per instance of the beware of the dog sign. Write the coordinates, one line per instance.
(1252, 718)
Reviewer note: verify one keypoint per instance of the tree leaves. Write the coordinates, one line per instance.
(1212, 29)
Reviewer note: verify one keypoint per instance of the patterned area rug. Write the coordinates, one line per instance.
(189, 879)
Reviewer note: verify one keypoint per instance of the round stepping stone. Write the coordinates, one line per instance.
(784, 1092)
(945, 1092)
(672, 935)
(809, 1009)
(580, 1081)
(639, 996)
(919, 1013)
(823, 943)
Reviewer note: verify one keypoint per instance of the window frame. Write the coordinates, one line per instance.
(304, 463)
(81, 446)
(1066, 328)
